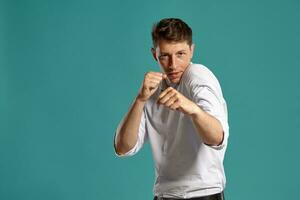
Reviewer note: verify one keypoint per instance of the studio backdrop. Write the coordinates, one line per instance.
(70, 69)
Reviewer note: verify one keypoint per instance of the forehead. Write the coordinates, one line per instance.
(169, 47)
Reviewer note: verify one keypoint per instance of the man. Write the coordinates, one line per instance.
(182, 113)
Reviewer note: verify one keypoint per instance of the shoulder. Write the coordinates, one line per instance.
(199, 74)
(197, 77)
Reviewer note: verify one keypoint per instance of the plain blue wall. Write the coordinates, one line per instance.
(70, 69)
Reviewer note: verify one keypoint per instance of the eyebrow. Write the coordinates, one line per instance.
(165, 53)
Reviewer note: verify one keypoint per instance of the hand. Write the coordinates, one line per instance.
(150, 85)
(177, 101)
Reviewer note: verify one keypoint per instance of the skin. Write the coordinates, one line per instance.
(173, 58)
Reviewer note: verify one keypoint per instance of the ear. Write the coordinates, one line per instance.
(192, 50)
(153, 53)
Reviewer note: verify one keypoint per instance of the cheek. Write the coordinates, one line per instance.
(184, 63)
(163, 64)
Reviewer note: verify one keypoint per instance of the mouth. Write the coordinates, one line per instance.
(173, 75)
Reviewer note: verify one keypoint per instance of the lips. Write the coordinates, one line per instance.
(173, 74)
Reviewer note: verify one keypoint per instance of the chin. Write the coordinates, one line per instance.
(174, 81)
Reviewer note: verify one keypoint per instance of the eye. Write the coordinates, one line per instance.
(162, 57)
(180, 54)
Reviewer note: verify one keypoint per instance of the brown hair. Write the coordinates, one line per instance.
(172, 30)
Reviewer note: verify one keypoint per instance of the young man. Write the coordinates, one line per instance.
(182, 113)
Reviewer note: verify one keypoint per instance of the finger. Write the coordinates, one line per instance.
(174, 106)
(168, 96)
(150, 77)
(171, 101)
(152, 85)
(158, 74)
(165, 92)
(152, 81)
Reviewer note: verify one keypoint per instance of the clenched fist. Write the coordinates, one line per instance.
(150, 85)
(174, 100)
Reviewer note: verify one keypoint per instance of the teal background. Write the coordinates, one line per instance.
(70, 69)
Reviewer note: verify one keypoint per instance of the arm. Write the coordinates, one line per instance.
(208, 127)
(128, 132)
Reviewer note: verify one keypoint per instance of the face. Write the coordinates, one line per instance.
(173, 58)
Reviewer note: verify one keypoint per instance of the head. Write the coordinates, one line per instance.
(172, 47)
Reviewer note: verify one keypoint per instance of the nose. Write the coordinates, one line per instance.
(173, 63)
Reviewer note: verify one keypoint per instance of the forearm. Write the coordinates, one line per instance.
(128, 131)
(208, 127)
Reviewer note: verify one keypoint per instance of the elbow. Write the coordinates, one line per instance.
(117, 145)
(217, 140)
(121, 148)
(220, 138)
(218, 134)
(123, 143)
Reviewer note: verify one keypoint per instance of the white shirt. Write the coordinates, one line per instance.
(185, 167)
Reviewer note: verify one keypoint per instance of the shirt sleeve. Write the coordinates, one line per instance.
(208, 97)
(142, 138)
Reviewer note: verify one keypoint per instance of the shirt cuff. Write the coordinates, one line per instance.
(225, 136)
(128, 153)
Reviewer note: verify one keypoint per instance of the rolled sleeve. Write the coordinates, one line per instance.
(142, 138)
(210, 99)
